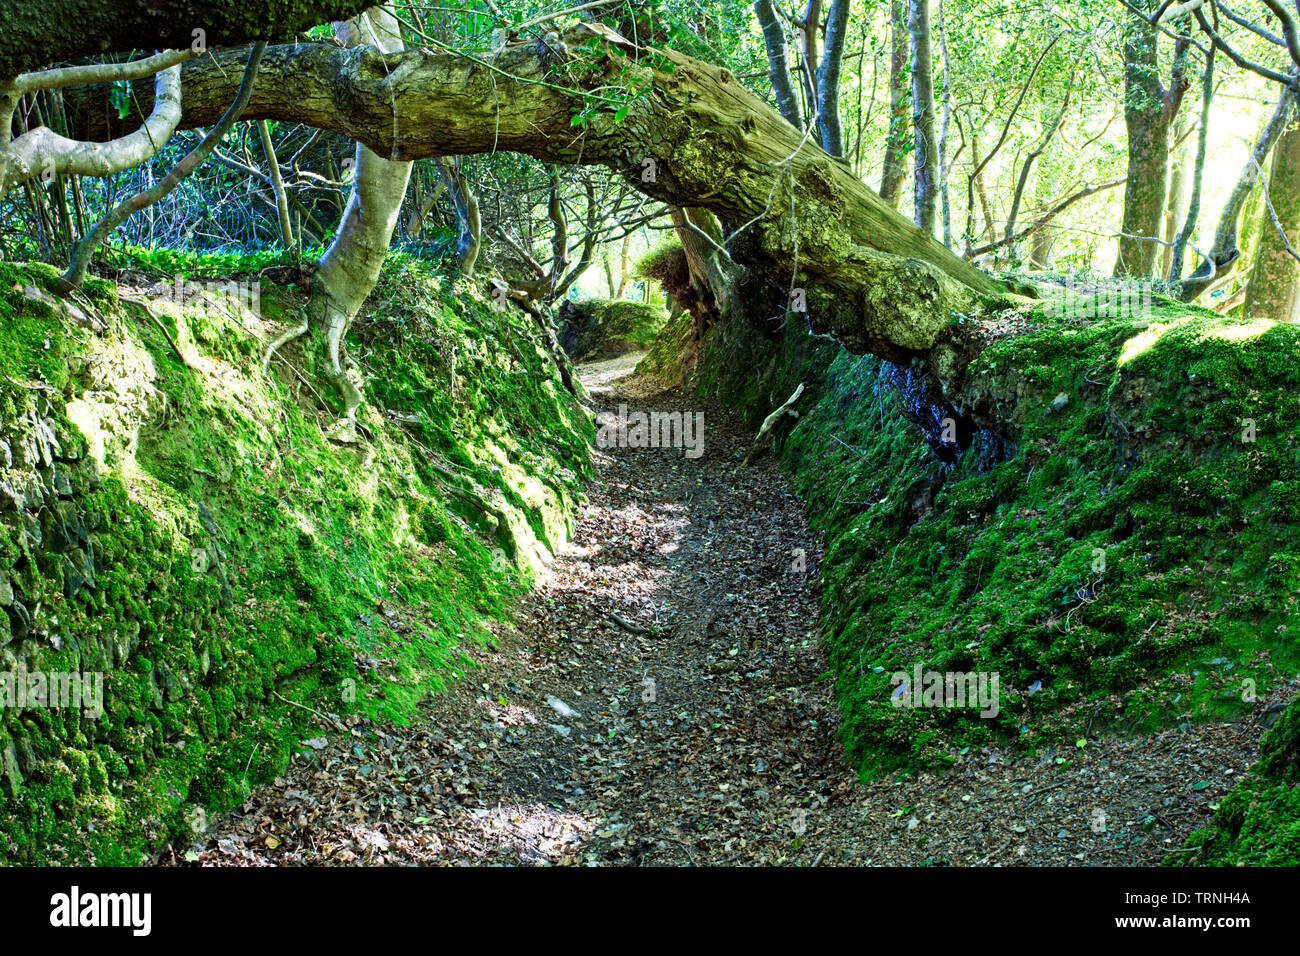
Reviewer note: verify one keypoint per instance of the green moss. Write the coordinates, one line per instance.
(597, 328)
(242, 562)
(665, 264)
(664, 358)
(1255, 825)
(1126, 560)
(1258, 824)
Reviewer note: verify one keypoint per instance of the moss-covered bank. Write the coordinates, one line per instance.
(604, 328)
(1129, 558)
(190, 531)
(1258, 824)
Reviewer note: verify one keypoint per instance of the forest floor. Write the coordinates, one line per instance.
(558, 749)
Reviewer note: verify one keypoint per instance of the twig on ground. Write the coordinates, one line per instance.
(336, 724)
(161, 328)
(633, 628)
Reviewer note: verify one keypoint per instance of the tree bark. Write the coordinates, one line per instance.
(788, 215)
(586, 248)
(808, 28)
(926, 146)
(277, 184)
(468, 217)
(778, 62)
(1225, 251)
(1043, 242)
(624, 266)
(42, 152)
(1198, 172)
(53, 31)
(893, 171)
(1149, 110)
(1176, 198)
(80, 260)
(712, 278)
(828, 79)
(876, 281)
(1274, 289)
(945, 203)
(350, 267)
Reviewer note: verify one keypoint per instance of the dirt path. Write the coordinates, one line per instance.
(663, 700)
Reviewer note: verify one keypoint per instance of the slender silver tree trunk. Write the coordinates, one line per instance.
(277, 184)
(350, 267)
(468, 218)
(778, 62)
(1226, 251)
(828, 79)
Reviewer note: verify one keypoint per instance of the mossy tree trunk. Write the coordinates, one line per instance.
(712, 278)
(775, 219)
(1274, 289)
(1149, 109)
(53, 31)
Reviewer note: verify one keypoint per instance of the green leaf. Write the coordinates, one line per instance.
(620, 114)
(120, 96)
(1201, 786)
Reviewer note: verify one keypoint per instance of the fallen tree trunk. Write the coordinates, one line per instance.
(792, 215)
(36, 35)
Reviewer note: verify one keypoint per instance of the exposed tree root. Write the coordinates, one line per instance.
(161, 328)
(282, 341)
(547, 327)
(765, 433)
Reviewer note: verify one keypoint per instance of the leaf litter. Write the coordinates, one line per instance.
(662, 699)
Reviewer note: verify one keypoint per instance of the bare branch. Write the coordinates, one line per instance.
(86, 248)
(42, 152)
(102, 72)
